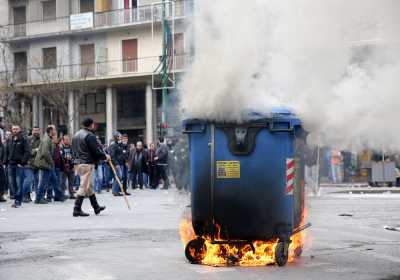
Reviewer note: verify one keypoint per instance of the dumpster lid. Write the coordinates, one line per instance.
(276, 114)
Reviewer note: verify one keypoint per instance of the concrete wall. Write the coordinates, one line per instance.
(4, 15)
(35, 60)
(148, 49)
(36, 25)
(4, 12)
(99, 41)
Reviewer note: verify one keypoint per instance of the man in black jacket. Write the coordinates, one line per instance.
(118, 158)
(17, 156)
(87, 155)
(68, 175)
(162, 162)
(138, 165)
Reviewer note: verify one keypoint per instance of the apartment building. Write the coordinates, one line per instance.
(109, 49)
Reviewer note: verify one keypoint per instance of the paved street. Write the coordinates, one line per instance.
(46, 242)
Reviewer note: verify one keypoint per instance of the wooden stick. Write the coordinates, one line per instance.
(120, 184)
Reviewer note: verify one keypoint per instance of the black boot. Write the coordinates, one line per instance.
(96, 207)
(78, 207)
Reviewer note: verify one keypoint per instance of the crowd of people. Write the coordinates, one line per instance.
(41, 167)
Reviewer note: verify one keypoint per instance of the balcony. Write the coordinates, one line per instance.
(93, 22)
(90, 71)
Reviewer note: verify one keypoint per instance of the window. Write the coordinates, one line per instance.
(19, 14)
(20, 66)
(87, 60)
(93, 103)
(131, 103)
(49, 58)
(49, 10)
(86, 6)
(129, 55)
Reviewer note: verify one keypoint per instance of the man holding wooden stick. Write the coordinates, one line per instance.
(87, 154)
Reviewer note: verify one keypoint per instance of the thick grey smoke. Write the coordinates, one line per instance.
(336, 63)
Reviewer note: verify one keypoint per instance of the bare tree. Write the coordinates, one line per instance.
(8, 106)
(51, 82)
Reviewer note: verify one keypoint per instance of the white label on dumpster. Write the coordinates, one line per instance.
(228, 169)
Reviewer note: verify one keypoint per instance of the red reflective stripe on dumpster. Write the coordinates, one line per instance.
(290, 174)
(289, 163)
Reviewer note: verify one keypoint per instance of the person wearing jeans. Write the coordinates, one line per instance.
(17, 154)
(44, 161)
(116, 190)
(119, 161)
(68, 174)
(138, 165)
(59, 194)
(30, 172)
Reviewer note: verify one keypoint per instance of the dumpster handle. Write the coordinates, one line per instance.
(271, 127)
(200, 128)
(192, 131)
(301, 228)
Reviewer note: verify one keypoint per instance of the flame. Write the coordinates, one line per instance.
(242, 255)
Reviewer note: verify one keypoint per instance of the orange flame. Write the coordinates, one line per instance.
(242, 255)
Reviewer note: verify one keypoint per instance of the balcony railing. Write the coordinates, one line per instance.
(101, 20)
(90, 71)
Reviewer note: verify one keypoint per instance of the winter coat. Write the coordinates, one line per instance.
(151, 155)
(57, 157)
(17, 150)
(117, 154)
(86, 149)
(68, 160)
(34, 143)
(44, 157)
(139, 161)
(162, 154)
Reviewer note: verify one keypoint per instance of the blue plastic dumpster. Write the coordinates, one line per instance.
(246, 180)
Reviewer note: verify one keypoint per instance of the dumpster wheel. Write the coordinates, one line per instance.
(195, 250)
(282, 253)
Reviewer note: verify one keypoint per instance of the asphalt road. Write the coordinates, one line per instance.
(46, 242)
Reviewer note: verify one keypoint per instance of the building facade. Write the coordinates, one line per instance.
(102, 56)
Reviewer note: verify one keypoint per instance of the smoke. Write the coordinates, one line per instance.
(335, 63)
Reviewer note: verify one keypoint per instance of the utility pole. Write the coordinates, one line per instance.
(164, 76)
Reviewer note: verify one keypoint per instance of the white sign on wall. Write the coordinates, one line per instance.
(81, 21)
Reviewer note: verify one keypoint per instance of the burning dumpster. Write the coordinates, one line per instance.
(247, 189)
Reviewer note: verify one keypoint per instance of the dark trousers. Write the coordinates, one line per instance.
(162, 171)
(3, 181)
(67, 180)
(153, 176)
(125, 177)
(16, 179)
(49, 182)
(137, 178)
